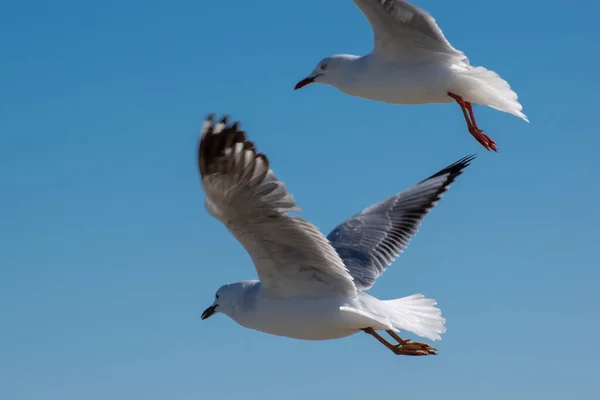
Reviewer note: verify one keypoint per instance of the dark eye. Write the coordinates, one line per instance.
(217, 296)
(323, 67)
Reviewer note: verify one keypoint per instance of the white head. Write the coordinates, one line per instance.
(330, 71)
(230, 298)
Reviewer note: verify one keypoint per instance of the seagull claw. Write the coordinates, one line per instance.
(483, 139)
(415, 349)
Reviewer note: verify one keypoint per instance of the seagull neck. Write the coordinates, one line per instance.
(351, 72)
(347, 69)
(356, 61)
(242, 297)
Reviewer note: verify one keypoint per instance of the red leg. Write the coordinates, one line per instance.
(490, 141)
(474, 130)
(461, 103)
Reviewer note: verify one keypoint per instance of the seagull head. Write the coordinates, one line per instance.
(230, 298)
(329, 71)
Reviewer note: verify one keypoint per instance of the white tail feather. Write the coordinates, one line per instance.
(417, 314)
(483, 86)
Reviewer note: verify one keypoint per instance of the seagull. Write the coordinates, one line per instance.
(413, 63)
(312, 287)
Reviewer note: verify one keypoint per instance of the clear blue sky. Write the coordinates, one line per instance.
(107, 256)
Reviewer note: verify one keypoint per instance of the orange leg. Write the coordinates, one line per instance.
(404, 347)
(405, 342)
(474, 130)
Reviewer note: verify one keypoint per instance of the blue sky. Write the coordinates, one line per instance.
(107, 256)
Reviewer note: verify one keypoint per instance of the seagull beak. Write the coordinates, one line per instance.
(209, 311)
(304, 82)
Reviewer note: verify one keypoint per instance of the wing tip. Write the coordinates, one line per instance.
(209, 126)
(216, 137)
(454, 169)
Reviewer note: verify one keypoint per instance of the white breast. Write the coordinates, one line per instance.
(300, 318)
(401, 84)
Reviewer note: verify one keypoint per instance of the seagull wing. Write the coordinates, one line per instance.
(403, 32)
(371, 240)
(291, 256)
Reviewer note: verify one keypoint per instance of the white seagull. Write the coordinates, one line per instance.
(312, 287)
(413, 63)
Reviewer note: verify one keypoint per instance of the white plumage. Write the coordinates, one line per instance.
(412, 62)
(311, 287)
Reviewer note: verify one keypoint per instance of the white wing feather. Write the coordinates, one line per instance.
(403, 32)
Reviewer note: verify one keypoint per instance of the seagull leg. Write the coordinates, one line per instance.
(397, 338)
(404, 348)
(387, 344)
(490, 141)
(474, 130)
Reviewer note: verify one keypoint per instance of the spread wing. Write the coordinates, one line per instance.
(371, 240)
(291, 256)
(406, 33)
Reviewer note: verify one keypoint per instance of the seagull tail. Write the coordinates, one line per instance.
(417, 314)
(483, 86)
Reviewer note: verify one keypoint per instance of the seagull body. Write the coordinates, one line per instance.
(312, 287)
(330, 317)
(413, 63)
(421, 83)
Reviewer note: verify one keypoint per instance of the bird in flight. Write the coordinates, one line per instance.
(312, 287)
(413, 63)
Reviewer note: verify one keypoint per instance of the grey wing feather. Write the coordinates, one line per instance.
(371, 240)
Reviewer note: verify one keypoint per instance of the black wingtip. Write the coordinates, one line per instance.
(211, 139)
(454, 169)
(209, 124)
(462, 163)
(215, 138)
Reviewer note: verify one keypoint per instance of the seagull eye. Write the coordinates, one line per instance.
(323, 67)
(217, 296)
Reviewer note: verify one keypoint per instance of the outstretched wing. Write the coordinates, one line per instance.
(291, 256)
(404, 32)
(371, 240)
